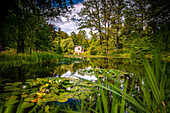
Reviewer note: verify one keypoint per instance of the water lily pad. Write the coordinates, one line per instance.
(76, 97)
(82, 96)
(17, 83)
(8, 84)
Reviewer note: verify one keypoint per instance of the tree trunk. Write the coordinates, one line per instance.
(4, 13)
(117, 42)
(142, 28)
(20, 45)
(100, 38)
(0, 39)
(108, 39)
(30, 51)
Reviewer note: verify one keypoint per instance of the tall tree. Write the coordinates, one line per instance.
(58, 37)
(91, 17)
(117, 19)
(75, 38)
(39, 8)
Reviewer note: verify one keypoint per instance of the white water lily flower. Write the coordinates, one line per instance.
(68, 88)
(24, 87)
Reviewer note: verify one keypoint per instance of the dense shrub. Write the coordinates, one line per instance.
(76, 53)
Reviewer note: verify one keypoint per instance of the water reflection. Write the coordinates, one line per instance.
(76, 75)
(67, 70)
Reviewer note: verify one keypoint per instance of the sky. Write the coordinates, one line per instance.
(66, 24)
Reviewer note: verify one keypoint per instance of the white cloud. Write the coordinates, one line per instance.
(63, 19)
(67, 24)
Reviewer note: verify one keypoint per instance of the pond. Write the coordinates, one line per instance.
(20, 74)
(63, 84)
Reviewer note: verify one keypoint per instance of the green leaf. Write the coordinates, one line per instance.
(27, 104)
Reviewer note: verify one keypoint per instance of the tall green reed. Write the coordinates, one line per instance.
(149, 99)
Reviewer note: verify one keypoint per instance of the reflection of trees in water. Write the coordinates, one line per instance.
(20, 73)
(71, 67)
(132, 66)
(116, 63)
(81, 65)
(52, 69)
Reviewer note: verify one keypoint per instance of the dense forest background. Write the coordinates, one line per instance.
(117, 26)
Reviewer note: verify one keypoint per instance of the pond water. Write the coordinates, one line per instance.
(55, 83)
(22, 73)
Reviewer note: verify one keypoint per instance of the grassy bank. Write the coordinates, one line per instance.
(100, 56)
(11, 59)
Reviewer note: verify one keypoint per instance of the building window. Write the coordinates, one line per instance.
(78, 48)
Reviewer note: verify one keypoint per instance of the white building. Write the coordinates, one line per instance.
(79, 49)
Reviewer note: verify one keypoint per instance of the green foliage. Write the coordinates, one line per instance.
(32, 32)
(75, 38)
(67, 45)
(23, 21)
(11, 59)
(141, 46)
(94, 48)
(43, 39)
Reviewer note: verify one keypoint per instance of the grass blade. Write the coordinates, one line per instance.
(122, 110)
(104, 100)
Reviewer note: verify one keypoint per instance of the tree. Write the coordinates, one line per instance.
(43, 38)
(23, 8)
(91, 17)
(103, 16)
(75, 38)
(20, 30)
(117, 18)
(58, 37)
(67, 45)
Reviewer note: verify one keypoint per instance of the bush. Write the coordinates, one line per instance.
(76, 53)
(117, 51)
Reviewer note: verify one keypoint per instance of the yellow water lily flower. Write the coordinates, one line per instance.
(101, 75)
(40, 94)
(50, 81)
(47, 85)
(89, 84)
(62, 100)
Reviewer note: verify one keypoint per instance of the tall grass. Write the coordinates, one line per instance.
(11, 59)
(150, 98)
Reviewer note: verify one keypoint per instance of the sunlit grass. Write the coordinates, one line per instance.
(12, 59)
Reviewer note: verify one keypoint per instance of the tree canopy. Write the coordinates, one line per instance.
(116, 26)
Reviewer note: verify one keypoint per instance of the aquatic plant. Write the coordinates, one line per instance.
(41, 91)
(150, 97)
